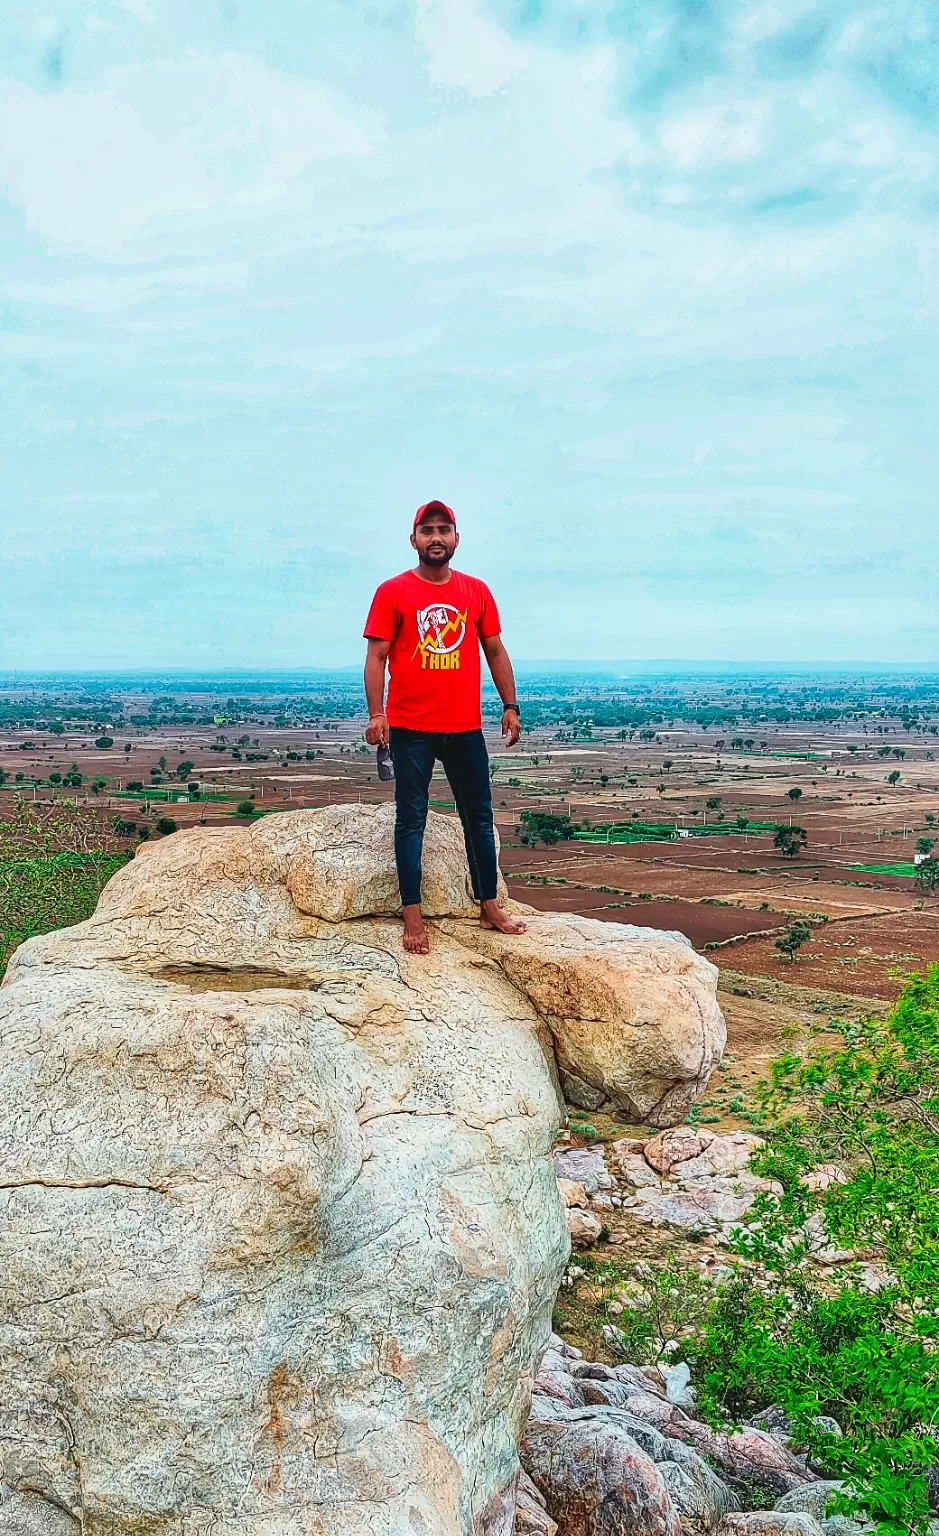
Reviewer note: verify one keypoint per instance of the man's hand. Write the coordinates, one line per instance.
(376, 732)
(511, 730)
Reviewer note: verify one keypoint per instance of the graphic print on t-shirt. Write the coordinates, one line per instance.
(441, 630)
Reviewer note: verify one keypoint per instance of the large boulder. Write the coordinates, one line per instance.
(281, 1229)
(596, 1480)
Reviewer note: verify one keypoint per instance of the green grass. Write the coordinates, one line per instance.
(886, 869)
(51, 891)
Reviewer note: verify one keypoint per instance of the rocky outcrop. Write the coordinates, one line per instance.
(281, 1229)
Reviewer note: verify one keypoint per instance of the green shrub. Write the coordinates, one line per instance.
(245, 808)
(165, 825)
(823, 1340)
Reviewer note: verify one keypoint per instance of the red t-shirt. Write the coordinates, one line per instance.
(435, 675)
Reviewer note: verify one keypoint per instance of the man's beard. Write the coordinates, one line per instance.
(435, 559)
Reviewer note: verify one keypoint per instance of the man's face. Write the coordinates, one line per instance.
(435, 539)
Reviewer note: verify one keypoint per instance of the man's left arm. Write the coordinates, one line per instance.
(504, 678)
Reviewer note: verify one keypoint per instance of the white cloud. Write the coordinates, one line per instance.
(465, 49)
(92, 168)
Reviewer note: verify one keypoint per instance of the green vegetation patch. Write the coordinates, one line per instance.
(886, 869)
(39, 894)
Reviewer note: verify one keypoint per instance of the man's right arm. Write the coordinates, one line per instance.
(376, 657)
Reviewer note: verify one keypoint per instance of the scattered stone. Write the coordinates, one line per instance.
(636, 1171)
(641, 1378)
(583, 1165)
(822, 1177)
(561, 1347)
(595, 1479)
(584, 1227)
(675, 1145)
(810, 1499)
(531, 1514)
(571, 1194)
(768, 1522)
(696, 1490)
(722, 1155)
(678, 1388)
(750, 1458)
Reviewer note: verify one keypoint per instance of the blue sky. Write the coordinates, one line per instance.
(647, 290)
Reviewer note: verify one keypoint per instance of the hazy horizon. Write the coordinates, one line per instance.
(647, 294)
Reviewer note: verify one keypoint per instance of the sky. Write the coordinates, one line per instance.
(645, 289)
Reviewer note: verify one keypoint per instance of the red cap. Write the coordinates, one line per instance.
(434, 506)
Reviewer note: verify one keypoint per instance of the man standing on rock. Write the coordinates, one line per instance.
(428, 625)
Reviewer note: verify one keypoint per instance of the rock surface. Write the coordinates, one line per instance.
(767, 1522)
(595, 1479)
(282, 1232)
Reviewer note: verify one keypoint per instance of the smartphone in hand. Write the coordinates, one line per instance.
(386, 766)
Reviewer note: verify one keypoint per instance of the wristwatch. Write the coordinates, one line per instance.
(512, 706)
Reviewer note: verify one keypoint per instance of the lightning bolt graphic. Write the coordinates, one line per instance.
(431, 642)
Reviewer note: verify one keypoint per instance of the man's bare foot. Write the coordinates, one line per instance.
(491, 915)
(415, 934)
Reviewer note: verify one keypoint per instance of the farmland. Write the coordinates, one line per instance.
(673, 788)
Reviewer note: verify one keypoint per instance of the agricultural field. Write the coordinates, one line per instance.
(672, 790)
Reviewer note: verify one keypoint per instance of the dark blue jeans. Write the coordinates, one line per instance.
(466, 764)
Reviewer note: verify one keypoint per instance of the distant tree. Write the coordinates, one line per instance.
(194, 788)
(184, 769)
(56, 728)
(852, 747)
(667, 763)
(794, 793)
(661, 789)
(161, 763)
(899, 752)
(165, 826)
(714, 803)
(245, 808)
(790, 840)
(3, 775)
(128, 746)
(797, 934)
(883, 751)
(134, 784)
(97, 785)
(894, 777)
(927, 876)
(104, 741)
(743, 822)
(124, 828)
(925, 844)
(55, 778)
(545, 826)
(143, 833)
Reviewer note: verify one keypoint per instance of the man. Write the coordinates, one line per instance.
(428, 624)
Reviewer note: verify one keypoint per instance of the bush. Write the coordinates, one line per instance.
(822, 1341)
(104, 741)
(245, 808)
(165, 825)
